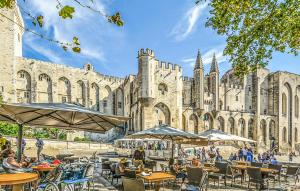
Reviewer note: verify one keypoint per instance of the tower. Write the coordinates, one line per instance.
(11, 32)
(214, 82)
(146, 61)
(198, 97)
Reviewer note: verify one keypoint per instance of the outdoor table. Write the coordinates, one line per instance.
(242, 163)
(157, 178)
(17, 180)
(138, 171)
(243, 168)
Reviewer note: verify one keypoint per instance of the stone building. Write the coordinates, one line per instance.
(263, 106)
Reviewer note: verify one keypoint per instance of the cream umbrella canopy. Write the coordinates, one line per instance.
(217, 135)
(165, 132)
(59, 115)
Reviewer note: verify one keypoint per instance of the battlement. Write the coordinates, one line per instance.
(187, 79)
(168, 66)
(147, 52)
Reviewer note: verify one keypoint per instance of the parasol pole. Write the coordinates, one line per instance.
(20, 135)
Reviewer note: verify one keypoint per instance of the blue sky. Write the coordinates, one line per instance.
(174, 29)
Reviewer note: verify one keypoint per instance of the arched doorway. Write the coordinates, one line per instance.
(208, 121)
(162, 114)
(23, 85)
(231, 125)
(193, 124)
(64, 90)
(44, 89)
(241, 125)
(221, 124)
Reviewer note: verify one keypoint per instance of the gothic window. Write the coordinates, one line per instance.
(41, 78)
(26, 94)
(284, 135)
(236, 98)
(284, 104)
(162, 88)
(119, 104)
(64, 99)
(296, 106)
(22, 75)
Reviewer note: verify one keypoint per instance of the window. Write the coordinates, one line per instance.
(91, 102)
(105, 103)
(22, 75)
(64, 99)
(250, 107)
(119, 104)
(26, 95)
(48, 79)
(249, 89)
(284, 104)
(236, 98)
(1, 88)
(160, 122)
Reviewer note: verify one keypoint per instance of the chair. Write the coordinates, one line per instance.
(150, 165)
(255, 176)
(292, 171)
(197, 183)
(133, 184)
(233, 174)
(257, 164)
(105, 169)
(164, 167)
(88, 174)
(276, 167)
(222, 166)
(116, 174)
(130, 174)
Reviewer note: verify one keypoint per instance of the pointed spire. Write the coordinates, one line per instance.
(199, 63)
(214, 65)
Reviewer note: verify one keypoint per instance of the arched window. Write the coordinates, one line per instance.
(296, 106)
(263, 127)
(284, 104)
(284, 134)
(231, 125)
(250, 129)
(162, 88)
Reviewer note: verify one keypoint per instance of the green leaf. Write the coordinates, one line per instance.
(76, 49)
(67, 12)
(7, 4)
(76, 41)
(116, 19)
(40, 20)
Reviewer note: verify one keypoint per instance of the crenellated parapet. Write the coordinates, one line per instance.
(146, 52)
(168, 66)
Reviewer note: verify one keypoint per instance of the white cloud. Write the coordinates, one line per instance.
(91, 28)
(187, 24)
(207, 57)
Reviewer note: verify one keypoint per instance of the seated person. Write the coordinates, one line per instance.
(10, 164)
(175, 169)
(195, 162)
(122, 166)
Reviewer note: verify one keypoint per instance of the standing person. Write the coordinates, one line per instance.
(39, 145)
(240, 153)
(139, 155)
(245, 150)
(2, 142)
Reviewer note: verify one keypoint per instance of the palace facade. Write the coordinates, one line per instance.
(263, 106)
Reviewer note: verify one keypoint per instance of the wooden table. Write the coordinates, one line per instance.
(157, 178)
(263, 170)
(138, 171)
(211, 169)
(17, 180)
(242, 163)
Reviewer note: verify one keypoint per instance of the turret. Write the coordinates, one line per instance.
(198, 94)
(146, 71)
(214, 82)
